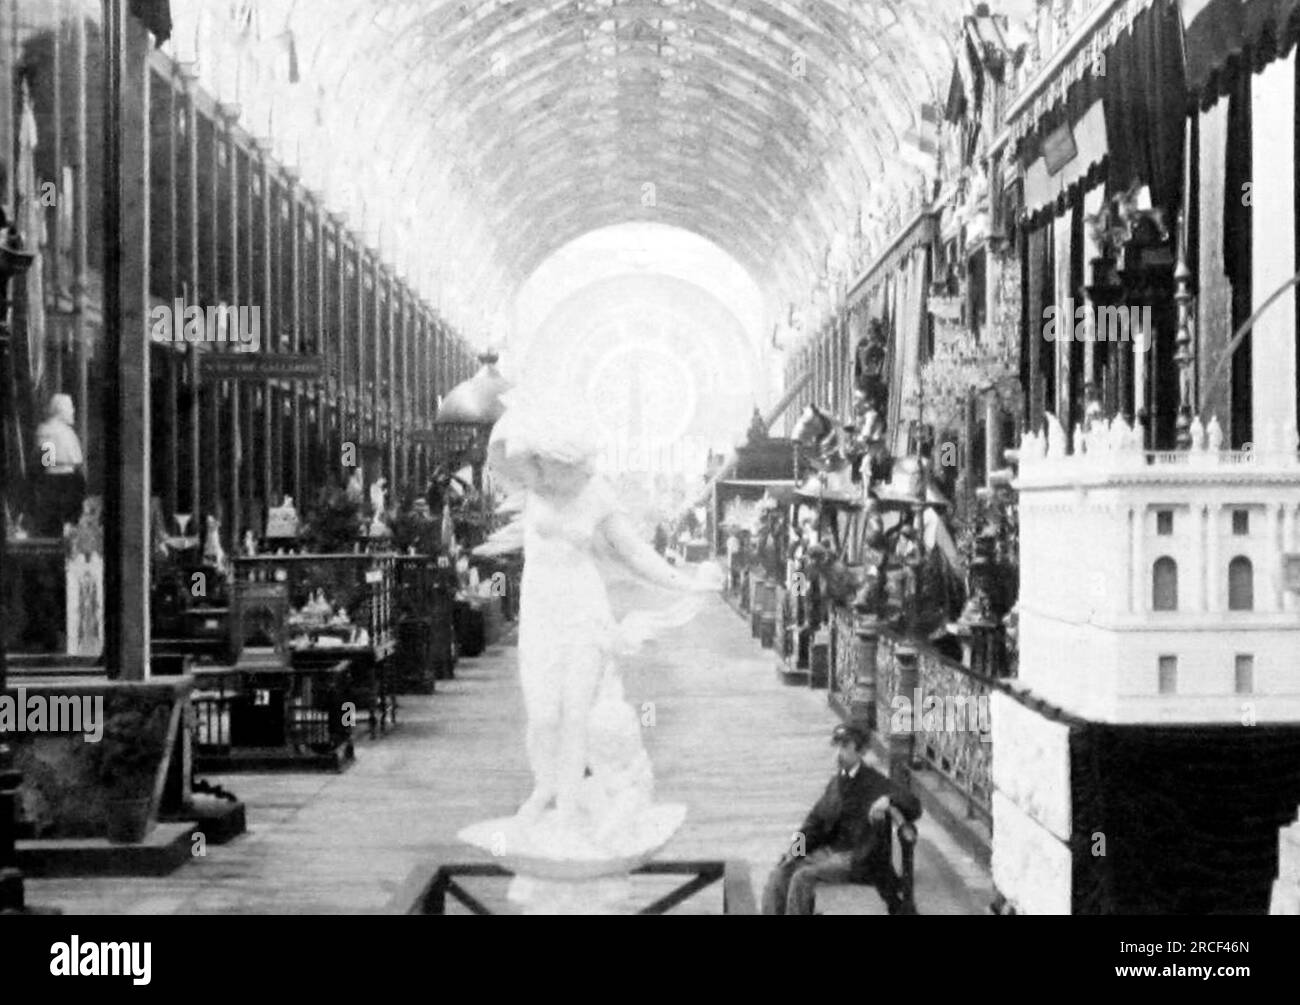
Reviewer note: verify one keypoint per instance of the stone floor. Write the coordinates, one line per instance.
(747, 754)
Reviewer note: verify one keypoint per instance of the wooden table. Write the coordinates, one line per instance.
(368, 680)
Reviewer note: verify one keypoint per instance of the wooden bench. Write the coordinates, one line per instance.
(904, 864)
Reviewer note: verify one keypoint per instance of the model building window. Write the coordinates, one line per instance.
(1241, 522)
(1164, 522)
(1164, 585)
(1241, 584)
(1245, 673)
(1168, 674)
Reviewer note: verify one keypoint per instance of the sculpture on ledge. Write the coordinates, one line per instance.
(1214, 435)
(869, 364)
(213, 554)
(378, 503)
(282, 521)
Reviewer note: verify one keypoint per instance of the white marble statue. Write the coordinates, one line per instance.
(1056, 438)
(1096, 437)
(1214, 435)
(57, 442)
(1115, 433)
(620, 788)
(213, 554)
(1031, 449)
(567, 644)
(356, 486)
(61, 488)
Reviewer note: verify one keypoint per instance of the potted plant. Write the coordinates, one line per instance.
(335, 525)
(129, 752)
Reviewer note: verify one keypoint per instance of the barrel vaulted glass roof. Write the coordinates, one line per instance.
(474, 138)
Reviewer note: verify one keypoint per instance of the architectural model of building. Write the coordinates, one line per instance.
(1154, 586)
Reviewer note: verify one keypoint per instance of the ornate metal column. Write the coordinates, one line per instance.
(1185, 301)
(862, 697)
(903, 745)
(1185, 354)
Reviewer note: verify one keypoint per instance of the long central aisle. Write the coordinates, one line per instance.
(746, 754)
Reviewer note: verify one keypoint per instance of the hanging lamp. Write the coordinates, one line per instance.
(476, 401)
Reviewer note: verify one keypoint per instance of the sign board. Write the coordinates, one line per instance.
(261, 366)
(1059, 148)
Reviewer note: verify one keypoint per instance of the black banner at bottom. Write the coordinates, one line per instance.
(330, 953)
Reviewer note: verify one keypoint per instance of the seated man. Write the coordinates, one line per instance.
(847, 837)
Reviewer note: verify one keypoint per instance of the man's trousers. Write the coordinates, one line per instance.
(792, 886)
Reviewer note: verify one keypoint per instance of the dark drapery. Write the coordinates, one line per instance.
(156, 15)
(1038, 295)
(1079, 270)
(1144, 91)
(1226, 35)
(1145, 101)
(1237, 241)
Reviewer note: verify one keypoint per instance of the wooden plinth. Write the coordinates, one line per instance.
(275, 759)
(165, 849)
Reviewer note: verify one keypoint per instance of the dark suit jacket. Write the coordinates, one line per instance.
(840, 820)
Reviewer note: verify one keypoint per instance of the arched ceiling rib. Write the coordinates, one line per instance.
(764, 125)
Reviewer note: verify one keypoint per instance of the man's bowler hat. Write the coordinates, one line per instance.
(856, 733)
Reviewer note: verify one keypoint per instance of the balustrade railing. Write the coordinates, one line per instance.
(931, 711)
(844, 653)
(953, 727)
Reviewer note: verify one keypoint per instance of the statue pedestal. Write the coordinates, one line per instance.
(561, 870)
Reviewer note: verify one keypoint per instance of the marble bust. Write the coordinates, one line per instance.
(58, 446)
(61, 482)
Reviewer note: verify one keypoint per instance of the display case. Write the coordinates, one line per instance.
(425, 601)
(280, 597)
(262, 715)
(191, 614)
